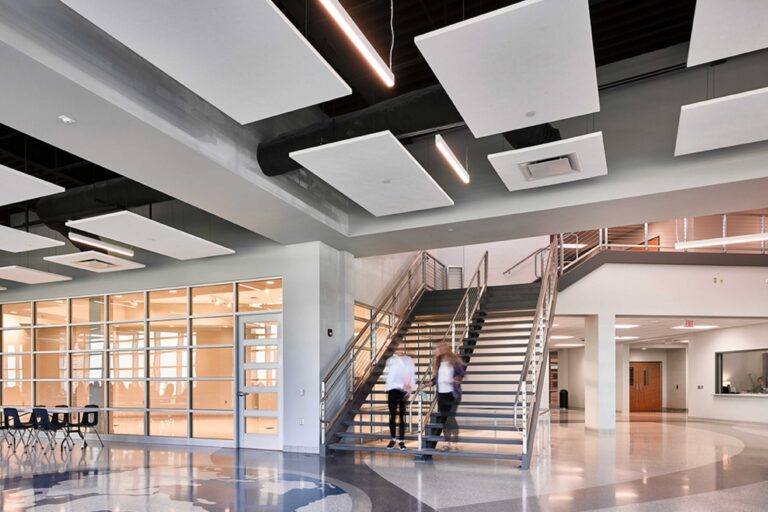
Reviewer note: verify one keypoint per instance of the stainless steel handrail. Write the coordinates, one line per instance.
(480, 277)
(357, 361)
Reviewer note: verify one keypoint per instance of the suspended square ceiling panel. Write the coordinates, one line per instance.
(578, 158)
(138, 231)
(523, 65)
(94, 261)
(242, 56)
(29, 275)
(376, 172)
(723, 122)
(16, 187)
(15, 240)
(724, 28)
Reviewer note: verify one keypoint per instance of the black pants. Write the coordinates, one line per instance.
(446, 406)
(396, 401)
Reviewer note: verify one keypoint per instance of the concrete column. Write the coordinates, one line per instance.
(622, 378)
(600, 373)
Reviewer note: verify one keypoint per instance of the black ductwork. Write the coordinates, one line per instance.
(101, 197)
(415, 113)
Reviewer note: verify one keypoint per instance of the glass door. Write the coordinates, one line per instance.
(260, 357)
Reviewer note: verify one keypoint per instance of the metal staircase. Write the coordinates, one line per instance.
(501, 333)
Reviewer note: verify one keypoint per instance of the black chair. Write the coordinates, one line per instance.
(4, 429)
(14, 425)
(42, 423)
(88, 420)
(61, 422)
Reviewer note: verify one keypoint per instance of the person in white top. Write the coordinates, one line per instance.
(448, 372)
(401, 377)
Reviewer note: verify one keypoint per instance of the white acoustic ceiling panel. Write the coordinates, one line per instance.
(15, 240)
(724, 28)
(578, 158)
(523, 65)
(29, 275)
(723, 122)
(376, 172)
(138, 231)
(242, 56)
(94, 261)
(16, 187)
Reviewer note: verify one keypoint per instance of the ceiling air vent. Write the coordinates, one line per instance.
(94, 261)
(550, 167)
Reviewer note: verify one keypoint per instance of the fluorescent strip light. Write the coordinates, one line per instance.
(695, 327)
(574, 246)
(717, 242)
(353, 32)
(569, 345)
(444, 150)
(627, 338)
(92, 242)
(626, 326)
(561, 337)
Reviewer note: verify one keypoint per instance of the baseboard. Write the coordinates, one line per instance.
(301, 449)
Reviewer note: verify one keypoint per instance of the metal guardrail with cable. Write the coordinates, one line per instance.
(342, 382)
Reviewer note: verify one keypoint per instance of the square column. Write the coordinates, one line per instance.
(622, 377)
(600, 373)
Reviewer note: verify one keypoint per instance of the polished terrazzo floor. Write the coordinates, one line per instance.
(653, 463)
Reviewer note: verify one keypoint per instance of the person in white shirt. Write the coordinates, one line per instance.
(401, 377)
(448, 371)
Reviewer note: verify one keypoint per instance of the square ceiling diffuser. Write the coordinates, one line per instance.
(376, 172)
(577, 158)
(16, 187)
(29, 275)
(94, 261)
(523, 65)
(135, 230)
(15, 240)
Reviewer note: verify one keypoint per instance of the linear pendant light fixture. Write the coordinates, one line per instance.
(353, 32)
(450, 157)
(716, 242)
(106, 246)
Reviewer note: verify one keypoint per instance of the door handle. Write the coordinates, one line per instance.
(240, 393)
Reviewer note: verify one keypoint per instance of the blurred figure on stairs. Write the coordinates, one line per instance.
(448, 371)
(401, 376)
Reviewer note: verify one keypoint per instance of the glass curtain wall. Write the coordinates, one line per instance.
(158, 363)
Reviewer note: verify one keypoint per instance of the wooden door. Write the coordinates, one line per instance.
(645, 386)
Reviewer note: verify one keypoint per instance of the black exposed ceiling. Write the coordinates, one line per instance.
(621, 29)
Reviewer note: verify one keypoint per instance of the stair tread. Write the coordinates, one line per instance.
(382, 449)
(413, 437)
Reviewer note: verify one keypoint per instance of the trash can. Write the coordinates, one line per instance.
(563, 398)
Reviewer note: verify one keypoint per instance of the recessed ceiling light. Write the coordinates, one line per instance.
(66, 119)
(569, 345)
(627, 338)
(626, 326)
(173, 291)
(450, 157)
(644, 348)
(270, 282)
(561, 337)
(358, 39)
(450, 230)
(695, 327)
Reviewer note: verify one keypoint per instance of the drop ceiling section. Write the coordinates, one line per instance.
(523, 65)
(135, 230)
(376, 172)
(242, 56)
(26, 275)
(723, 122)
(725, 28)
(15, 240)
(16, 187)
(584, 154)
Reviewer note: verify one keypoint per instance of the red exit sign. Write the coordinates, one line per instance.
(688, 323)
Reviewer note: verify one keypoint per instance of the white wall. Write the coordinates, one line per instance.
(677, 374)
(701, 367)
(373, 276)
(501, 256)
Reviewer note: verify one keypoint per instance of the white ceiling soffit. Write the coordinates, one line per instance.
(578, 158)
(242, 56)
(724, 28)
(138, 231)
(15, 240)
(94, 261)
(523, 65)
(29, 275)
(16, 187)
(376, 172)
(723, 122)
